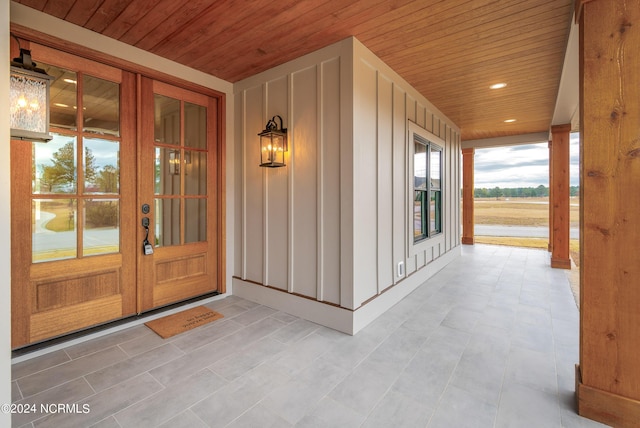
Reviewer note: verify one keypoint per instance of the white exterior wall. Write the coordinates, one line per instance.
(289, 234)
(333, 224)
(384, 104)
(5, 223)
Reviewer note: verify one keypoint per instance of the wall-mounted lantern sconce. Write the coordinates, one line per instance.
(273, 144)
(29, 99)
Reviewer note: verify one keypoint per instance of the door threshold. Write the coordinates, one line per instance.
(41, 348)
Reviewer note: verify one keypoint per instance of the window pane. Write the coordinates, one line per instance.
(167, 226)
(435, 167)
(195, 220)
(63, 97)
(419, 215)
(101, 106)
(195, 164)
(167, 120)
(54, 165)
(195, 126)
(101, 166)
(435, 213)
(167, 171)
(53, 229)
(420, 166)
(101, 227)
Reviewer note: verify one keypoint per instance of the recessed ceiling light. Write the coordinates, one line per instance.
(509, 121)
(73, 82)
(60, 105)
(498, 85)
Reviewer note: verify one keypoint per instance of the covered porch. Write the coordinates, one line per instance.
(490, 340)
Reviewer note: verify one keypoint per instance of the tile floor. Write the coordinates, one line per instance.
(489, 341)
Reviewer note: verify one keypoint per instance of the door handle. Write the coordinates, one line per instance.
(147, 248)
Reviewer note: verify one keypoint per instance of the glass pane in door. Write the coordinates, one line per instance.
(53, 228)
(101, 232)
(63, 106)
(167, 120)
(101, 106)
(167, 224)
(101, 163)
(195, 179)
(195, 225)
(195, 126)
(54, 165)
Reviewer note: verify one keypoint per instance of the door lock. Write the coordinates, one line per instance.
(147, 248)
(146, 209)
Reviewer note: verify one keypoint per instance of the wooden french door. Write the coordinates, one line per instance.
(71, 204)
(119, 141)
(178, 194)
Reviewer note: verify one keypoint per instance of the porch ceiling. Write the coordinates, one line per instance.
(451, 51)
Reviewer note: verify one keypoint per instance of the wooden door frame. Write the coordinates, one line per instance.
(134, 71)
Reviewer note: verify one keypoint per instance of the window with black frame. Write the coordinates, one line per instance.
(427, 188)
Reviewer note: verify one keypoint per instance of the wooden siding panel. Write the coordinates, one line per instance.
(330, 181)
(304, 151)
(253, 215)
(365, 182)
(277, 194)
(400, 200)
(385, 182)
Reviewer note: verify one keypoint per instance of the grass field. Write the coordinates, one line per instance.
(519, 211)
(522, 212)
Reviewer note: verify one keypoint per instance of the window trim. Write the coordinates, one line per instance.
(417, 132)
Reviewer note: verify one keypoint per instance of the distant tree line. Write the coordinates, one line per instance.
(519, 192)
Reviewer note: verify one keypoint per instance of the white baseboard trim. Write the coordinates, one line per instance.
(337, 318)
(321, 313)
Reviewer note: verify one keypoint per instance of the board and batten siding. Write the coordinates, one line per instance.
(333, 224)
(384, 104)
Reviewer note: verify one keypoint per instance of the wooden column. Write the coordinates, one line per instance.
(559, 197)
(468, 222)
(608, 377)
(550, 245)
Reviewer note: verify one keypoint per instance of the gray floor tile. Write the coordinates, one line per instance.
(34, 365)
(521, 404)
(293, 400)
(331, 413)
(186, 419)
(69, 392)
(533, 369)
(231, 401)
(131, 367)
(490, 340)
(104, 404)
(104, 342)
(172, 400)
(396, 409)
(258, 416)
(458, 408)
(70, 370)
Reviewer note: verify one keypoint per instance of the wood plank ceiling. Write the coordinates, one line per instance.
(449, 50)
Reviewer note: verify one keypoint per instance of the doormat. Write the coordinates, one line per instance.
(171, 325)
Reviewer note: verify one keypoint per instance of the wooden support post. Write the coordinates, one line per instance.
(468, 222)
(608, 378)
(559, 202)
(550, 244)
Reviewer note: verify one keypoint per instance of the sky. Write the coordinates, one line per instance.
(520, 166)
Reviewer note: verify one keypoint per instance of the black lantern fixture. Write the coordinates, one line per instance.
(273, 144)
(29, 99)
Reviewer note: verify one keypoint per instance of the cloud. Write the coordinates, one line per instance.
(519, 166)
